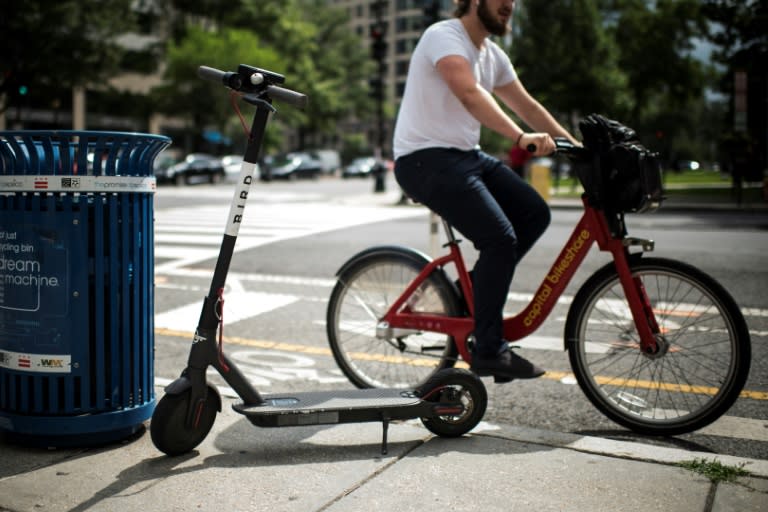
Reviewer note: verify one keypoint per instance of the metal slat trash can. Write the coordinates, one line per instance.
(76, 284)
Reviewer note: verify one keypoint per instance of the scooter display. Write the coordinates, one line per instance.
(450, 403)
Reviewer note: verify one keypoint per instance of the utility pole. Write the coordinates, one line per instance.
(431, 9)
(379, 54)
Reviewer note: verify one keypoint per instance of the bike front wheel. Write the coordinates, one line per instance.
(704, 355)
(364, 292)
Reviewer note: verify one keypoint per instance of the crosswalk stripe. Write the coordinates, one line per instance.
(187, 235)
(238, 306)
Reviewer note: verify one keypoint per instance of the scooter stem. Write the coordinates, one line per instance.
(205, 351)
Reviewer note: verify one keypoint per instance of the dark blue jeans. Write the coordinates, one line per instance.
(490, 205)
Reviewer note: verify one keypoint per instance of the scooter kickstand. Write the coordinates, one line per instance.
(385, 427)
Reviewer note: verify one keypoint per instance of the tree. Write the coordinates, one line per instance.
(323, 59)
(656, 46)
(628, 59)
(739, 29)
(303, 39)
(49, 46)
(203, 103)
(567, 59)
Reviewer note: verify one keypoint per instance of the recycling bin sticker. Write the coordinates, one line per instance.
(34, 291)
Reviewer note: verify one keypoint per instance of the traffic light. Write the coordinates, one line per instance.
(378, 43)
(431, 12)
(23, 90)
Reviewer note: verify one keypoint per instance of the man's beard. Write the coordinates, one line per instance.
(491, 24)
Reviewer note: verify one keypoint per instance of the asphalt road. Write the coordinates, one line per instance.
(300, 233)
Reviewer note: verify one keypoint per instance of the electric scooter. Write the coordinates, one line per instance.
(450, 403)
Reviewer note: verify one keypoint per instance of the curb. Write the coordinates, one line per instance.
(629, 450)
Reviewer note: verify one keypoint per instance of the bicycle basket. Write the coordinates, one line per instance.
(622, 176)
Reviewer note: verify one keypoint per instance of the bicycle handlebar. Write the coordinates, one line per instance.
(562, 145)
(250, 80)
(565, 145)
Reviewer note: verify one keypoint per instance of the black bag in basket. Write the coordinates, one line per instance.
(624, 176)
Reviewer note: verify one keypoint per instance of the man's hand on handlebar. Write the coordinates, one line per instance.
(538, 144)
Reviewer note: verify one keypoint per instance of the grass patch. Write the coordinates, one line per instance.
(696, 178)
(706, 187)
(714, 470)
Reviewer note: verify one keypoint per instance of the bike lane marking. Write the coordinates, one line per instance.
(563, 377)
(283, 362)
(239, 304)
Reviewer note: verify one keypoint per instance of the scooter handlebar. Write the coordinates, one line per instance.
(296, 99)
(231, 80)
(235, 81)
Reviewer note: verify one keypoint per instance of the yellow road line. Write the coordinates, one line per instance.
(415, 361)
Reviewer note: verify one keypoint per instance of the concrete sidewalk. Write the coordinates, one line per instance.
(240, 467)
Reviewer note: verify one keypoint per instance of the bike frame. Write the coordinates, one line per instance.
(593, 227)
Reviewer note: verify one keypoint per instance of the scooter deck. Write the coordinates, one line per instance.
(330, 407)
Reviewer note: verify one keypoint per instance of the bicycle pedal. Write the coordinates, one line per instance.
(501, 379)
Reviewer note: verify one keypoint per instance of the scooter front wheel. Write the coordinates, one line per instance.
(170, 432)
(454, 386)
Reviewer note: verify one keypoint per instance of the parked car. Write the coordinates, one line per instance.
(330, 160)
(232, 165)
(359, 168)
(163, 161)
(195, 165)
(291, 166)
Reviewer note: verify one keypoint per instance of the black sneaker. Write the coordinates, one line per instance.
(506, 365)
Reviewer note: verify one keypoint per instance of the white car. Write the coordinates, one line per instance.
(232, 165)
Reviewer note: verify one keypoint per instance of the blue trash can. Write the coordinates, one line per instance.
(76, 285)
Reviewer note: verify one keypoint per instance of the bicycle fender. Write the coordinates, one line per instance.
(385, 250)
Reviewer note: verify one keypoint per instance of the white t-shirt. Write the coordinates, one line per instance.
(430, 114)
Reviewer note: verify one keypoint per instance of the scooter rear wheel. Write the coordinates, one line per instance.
(169, 429)
(454, 386)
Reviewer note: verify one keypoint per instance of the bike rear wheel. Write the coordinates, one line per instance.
(363, 294)
(705, 351)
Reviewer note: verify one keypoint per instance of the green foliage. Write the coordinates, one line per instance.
(628, 59)
(666, 82)
(223, 49)
(206, 104)
(740, 29)
(567, 58)
(715, 470)
(303, 39)
(353, 146)
(655, 45)
(738, 32)
(52, 45)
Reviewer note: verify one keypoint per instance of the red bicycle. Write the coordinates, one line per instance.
(657, 345)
